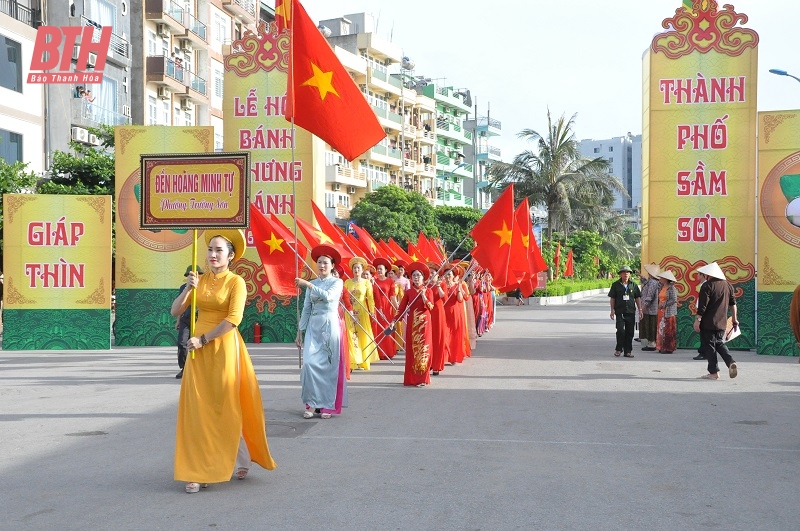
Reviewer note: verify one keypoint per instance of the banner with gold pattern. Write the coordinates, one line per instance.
(57, 270)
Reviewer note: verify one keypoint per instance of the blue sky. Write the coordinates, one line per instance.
(523, 56)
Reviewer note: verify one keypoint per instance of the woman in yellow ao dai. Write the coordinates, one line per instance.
(363, 349)
(221, 425)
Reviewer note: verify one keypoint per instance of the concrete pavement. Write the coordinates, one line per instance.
(541, 429)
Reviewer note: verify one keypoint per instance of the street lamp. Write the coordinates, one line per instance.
(779, 72)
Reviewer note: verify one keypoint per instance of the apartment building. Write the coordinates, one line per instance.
(481, 154)
(22, 111)
(178, 58)
(72, 109)
(624, 154)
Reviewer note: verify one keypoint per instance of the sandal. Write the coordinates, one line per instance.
(710, 376)
(192, 488)
(325, 415)
(629, 355)
(618, 353)
(241, 472)
(308, 414)
(732, 370)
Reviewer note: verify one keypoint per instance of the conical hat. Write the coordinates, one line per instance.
(652, 270)
(668, 275)
(712, 270)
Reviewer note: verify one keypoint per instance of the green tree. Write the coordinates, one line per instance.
(391, 212)
(87, 171)
(14, 178)
(454, 225)
(586, 246)
(558, 177)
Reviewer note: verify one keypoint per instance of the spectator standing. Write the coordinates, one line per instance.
(625, 298)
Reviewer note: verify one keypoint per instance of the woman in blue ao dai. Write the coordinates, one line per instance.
(318, 335)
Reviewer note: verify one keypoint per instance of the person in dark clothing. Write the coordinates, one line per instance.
(716, 296)
(182, 325)
(626, 306)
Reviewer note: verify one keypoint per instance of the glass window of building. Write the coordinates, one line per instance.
(152, 111)
(10, 64)
(10, 146)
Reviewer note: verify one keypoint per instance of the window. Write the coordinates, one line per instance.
(188, 118)
(218, 141)
(152, 43)
(10, 146)
(330, 200)
(610, 149)
(610, 160)
(597, 150)
(218, 82)
(165, 113)
(220, 28)
(10, 64)
(152, 111)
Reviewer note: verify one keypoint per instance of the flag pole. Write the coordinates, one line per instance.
(290, 90)
(194, 291)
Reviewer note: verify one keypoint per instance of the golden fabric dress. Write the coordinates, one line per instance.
(220, 400)
(364, 349)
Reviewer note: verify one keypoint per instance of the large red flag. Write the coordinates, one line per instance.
(493, 235)
(570, 267)
(330, 230)
(321, 96)
(275, 248)
(354, 244)
(429, 247)
(367, 242)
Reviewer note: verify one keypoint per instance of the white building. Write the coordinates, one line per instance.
(21, 103)
(624, 154)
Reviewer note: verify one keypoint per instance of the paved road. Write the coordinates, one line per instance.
(541, 429)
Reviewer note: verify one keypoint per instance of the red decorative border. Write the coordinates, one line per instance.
(703, 30)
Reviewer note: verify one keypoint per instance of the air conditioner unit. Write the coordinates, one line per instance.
(186, 104)
(351, 189)
(386, 166)
(92, 60)
(186, 45)
(336, 187)
(362, 161)
(75, 51)
(363, 88)
(79, 134)
(164, 93)
(388, 94)
(126, 110)
(163, 31)
(93, 140)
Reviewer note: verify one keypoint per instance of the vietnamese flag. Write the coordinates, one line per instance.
(316, 237)
(354, 244)
(570, 267)
(330, 230)
(429, 247)
(278, 258)
(283, 14)
(401, 254)
(367, 242)
(493, 235)
(321, 96)
(415, 254)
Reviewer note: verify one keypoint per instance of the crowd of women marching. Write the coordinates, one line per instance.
(433, 313)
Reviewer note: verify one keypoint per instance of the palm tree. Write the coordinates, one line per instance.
(571, 187)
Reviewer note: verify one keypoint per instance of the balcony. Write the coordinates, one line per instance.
(426, 135)
(196, 86)
(344, 175)
(245, 10)
(487, 152)
(27, 15)
(167, 72)
(490, 125)
(86, 114)
(165, 12)
(119, 49)
(196, 31)
(453, 131)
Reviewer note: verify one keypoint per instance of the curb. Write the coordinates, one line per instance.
(564, 299)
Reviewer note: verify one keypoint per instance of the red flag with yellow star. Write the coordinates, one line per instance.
(275, 245)
(283, 14)
(493, 236)
(321, 96)
(536, 262)
(316, 237)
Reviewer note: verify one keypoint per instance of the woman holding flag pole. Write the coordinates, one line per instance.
(418, 302)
